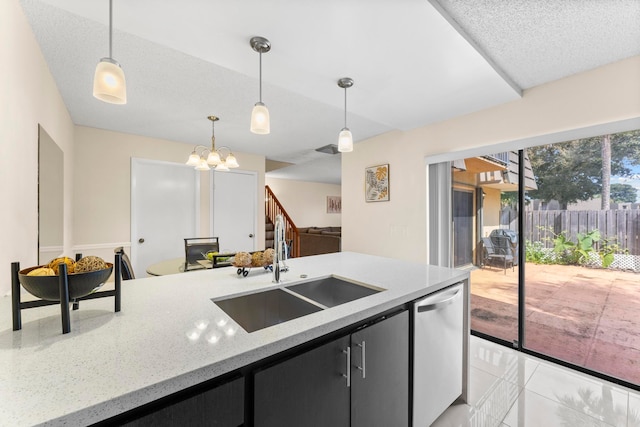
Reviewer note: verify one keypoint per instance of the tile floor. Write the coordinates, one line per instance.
(511, 389)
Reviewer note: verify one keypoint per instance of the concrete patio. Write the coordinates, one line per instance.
(589, 317)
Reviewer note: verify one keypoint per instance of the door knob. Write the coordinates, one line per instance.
(251, 235)
(141, 240)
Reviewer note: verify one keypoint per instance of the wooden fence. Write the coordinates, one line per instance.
(621, 227)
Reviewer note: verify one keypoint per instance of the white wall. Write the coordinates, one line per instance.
(398, 228)
(28, 97)
(306, 202)
(102, 203)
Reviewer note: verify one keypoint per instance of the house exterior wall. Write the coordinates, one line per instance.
(463, 177)
(491, 215)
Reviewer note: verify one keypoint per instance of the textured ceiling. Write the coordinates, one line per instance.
(538, 41)
(413, 64)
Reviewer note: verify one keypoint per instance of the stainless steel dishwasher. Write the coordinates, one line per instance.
(438, 346)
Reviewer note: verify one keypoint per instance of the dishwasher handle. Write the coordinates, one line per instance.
(429, 305)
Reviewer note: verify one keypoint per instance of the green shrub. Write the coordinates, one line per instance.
(608, 248)
(567, 252)
(535, 252)
(564, 249)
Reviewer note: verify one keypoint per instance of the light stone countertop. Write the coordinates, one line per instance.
(170, 336)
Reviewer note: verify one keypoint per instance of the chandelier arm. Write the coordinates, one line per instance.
(201, 149)
(225, 148)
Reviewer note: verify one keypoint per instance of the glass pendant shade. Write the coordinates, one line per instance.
(214, 158)
(260, 119)
(345, 141)
(231, 161)
(222, 168)
(202, 165)
(109, 84)
(194, 159)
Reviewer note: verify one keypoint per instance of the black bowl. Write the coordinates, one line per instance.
(80, 284)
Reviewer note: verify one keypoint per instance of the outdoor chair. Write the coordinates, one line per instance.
(498, 249)
(512, 235)
(196, 248)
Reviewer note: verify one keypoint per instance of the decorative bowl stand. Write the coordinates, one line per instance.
(63, 286)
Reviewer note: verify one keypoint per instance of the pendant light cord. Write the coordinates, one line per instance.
(261, 77)
(345, 107)
(110, 27)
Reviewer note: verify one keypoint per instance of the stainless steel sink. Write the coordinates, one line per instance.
(263, 309)
(267, 308)
(331, 291)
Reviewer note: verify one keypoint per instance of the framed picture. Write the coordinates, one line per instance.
(376, 183)
(334, 204)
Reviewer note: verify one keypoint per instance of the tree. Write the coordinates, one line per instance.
(572, 171)
(624, 193)
(565, 172)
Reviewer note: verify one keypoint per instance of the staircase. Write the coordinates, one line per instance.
(273, 207)
(268, 233)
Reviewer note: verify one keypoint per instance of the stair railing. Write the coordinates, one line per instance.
(272, 208)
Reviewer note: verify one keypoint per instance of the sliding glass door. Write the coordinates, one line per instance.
(582, 278)
(486, 239)
(570, 213)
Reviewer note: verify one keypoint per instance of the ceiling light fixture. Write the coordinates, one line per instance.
(222, 158)
(345, 139)
(260, 115)
(108, 81)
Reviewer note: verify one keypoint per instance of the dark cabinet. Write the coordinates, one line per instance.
(307, 390)
(380, 380)
(222, 406)
(358, 380)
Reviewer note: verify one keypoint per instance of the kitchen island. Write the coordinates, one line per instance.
(170, 336)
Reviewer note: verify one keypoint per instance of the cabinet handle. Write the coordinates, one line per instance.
(348, 375)
(363, 368)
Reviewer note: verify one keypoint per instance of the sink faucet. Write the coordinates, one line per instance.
(280, 250)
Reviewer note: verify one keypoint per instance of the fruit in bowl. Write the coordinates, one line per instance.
(54, 264)
(84, 277)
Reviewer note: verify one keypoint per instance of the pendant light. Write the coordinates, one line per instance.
(345, 139)
(260, 115)
(108, 81)
(222, 158)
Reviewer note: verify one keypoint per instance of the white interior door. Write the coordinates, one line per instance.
(165, 199)
(234, 210)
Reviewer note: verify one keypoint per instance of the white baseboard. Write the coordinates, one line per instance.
(100, 246)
